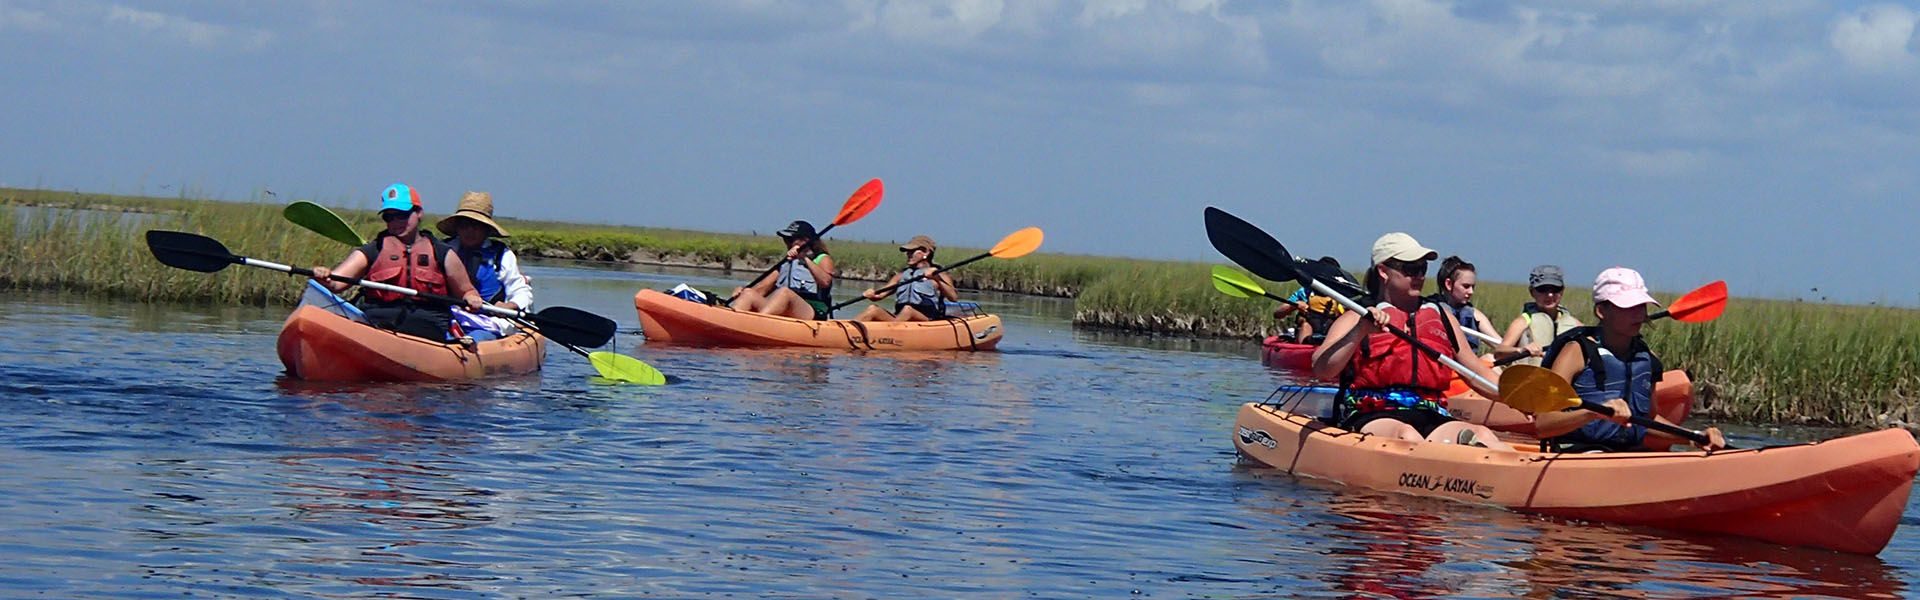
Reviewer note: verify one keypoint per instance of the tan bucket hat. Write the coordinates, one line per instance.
(477, 206)
(918, 241)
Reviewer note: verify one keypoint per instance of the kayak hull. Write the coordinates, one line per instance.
(1843, 494)
(669, 319)
(321, 346)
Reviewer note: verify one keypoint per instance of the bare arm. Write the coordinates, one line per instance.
(1343, 336)
(945, 284)
(822, 270)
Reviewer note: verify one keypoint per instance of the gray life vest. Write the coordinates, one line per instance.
(1608, 376)
(796, 277)
(919, 293)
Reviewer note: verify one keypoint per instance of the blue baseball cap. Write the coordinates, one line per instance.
(399, 196)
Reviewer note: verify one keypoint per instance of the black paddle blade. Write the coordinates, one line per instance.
(573, 326)
(1331, 275)
(1250, 247)
(182, 250)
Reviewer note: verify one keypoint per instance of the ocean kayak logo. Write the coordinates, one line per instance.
(986, 332)
(1250, 436)
(1451, 485)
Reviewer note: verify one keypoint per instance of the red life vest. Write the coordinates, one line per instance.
(417, 267)
(1386, 361)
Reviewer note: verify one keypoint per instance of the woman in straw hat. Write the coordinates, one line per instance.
(922, 300)
(492, 266)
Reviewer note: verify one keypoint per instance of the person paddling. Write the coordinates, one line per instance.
(404, 256)
(802, 288)
(1316, 312)
(1610, 364)
(491, 265)
(923, 300)
(1542, 319)
(1387, 386)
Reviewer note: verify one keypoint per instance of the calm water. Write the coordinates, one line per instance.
(156, 452)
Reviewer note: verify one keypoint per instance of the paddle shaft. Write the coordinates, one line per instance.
(912, 279)
(776, 266)
(1445, 358)
(1649, 423)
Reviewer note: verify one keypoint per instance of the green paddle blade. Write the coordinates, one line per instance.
(620, 367)
(319, 219)
(1233, 283)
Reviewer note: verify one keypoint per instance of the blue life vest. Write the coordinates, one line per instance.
(1606, 377)
(483, 267)
(1462, 313)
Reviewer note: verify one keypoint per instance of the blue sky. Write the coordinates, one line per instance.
(1773, 144)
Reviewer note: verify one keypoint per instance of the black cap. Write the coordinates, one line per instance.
(798, 229)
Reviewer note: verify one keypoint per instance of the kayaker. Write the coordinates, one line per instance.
(492, 266)
(403, 255)
(923, 300)
(1542, 319)
(1387, 386)
(1609, 363)
(1316, 312)
(1458, 283)
(803, 286)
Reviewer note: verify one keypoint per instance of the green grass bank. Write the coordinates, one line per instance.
(1764, 361)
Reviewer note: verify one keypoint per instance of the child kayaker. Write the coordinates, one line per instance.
(1316, 312)
(1610, 364)
(1389, 387)
(803, 286)
(1542, 319)
(922, 300)
(402, 255)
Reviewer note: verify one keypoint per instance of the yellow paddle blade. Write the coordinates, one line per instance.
(1532, 389)
(1017, 244)
(1234, 283)
(620, 367)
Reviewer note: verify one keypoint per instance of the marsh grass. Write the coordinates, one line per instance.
(55, 245)
(1764, 361)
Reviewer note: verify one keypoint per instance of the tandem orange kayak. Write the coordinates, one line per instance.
(323, 346)
(670, 319)
(1842, 494)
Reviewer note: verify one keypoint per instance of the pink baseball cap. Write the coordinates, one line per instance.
(1622, 287)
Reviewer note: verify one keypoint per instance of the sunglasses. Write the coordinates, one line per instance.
(1549, 289)
(1416, 268)
(394, 215)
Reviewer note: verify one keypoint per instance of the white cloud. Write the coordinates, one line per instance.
(938, 22)
(25, 19)
(195, 33)
(1875, 38)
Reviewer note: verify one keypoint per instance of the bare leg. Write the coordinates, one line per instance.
(874, 313)
(1481, 435)
(785, 302)
(1391, 428)
(908, 313)
(748, 300)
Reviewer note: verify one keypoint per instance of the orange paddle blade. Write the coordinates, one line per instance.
(1701, 305)
(1017, 244)
(863, 201)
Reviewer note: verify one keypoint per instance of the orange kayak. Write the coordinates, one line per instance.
(1285, 355)
(666, 318)
(1842, 494)
(319, 345)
